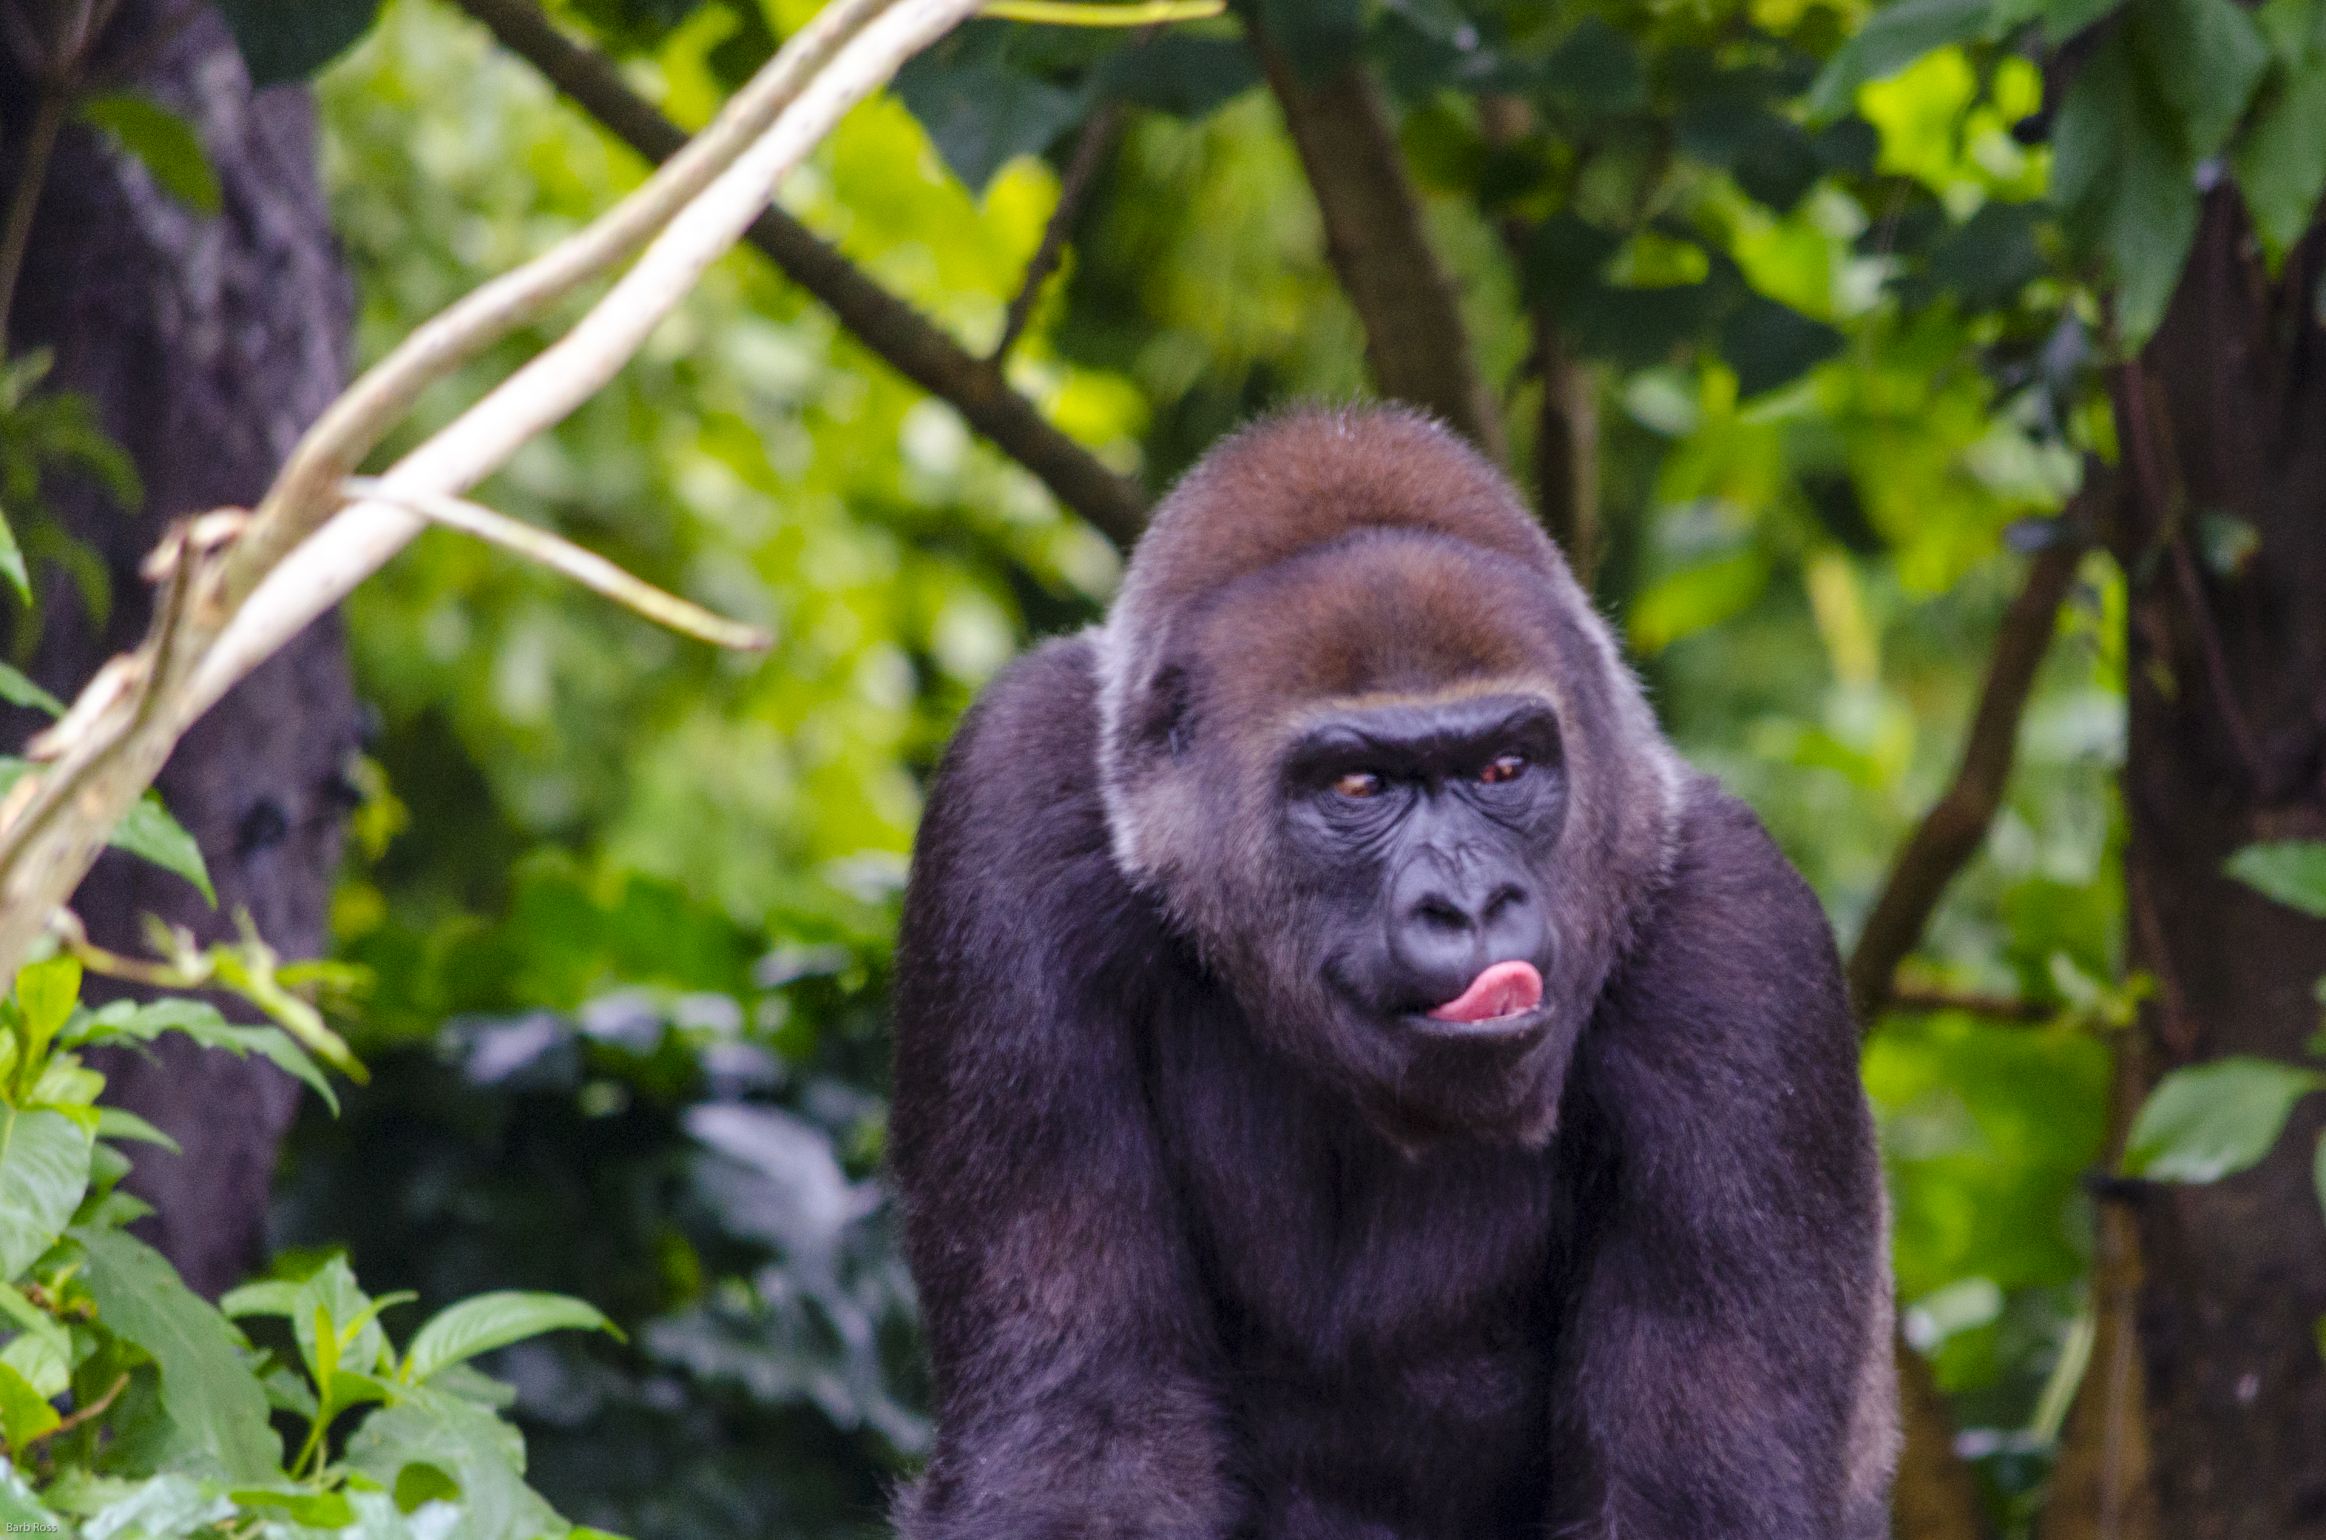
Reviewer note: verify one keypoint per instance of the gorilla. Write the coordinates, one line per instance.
(1353, 1080)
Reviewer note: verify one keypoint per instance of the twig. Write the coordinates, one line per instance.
(565, 558)
(891, 328)
(1415, 343)
(1951, 832)
(82, 1414)
(2156, 473)
(1091, 148)
(40, 143)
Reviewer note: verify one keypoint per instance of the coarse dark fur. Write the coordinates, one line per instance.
(1204, 1249)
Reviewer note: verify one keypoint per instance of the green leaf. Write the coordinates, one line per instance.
(1892, 38)
(2291, 871)
(2213, 1120)
(2318, 1171)
(47, 992)
(44, 1169)
(2206, 58)
(167, 1507)
(121, 1123)
(491, 1321)
(150, 833)
(2124, 187)
(1770, 344)
(42, 1349)
(129, 1021)
(208, 1392)
(2063, 19)
(2281, 159)
(317, 1510)
(25, 1414)
(483, 1454)
(981, 114)
(12, 563)
(283, 41)
(164, 143)
(18, 690)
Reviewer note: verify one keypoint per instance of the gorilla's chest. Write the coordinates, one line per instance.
(1388, 1320)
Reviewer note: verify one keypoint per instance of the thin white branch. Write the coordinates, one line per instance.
(566, 559)
(231, 608)
(358, 540)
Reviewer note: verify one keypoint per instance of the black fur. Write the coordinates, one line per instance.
(1180, 1282)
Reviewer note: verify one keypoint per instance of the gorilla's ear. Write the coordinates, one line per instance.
(1158, 719)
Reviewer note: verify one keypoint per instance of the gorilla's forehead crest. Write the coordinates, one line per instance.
(1350, 554)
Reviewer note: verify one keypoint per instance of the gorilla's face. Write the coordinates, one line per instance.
(1427, 833)
(1420, 848)
(1377, 786)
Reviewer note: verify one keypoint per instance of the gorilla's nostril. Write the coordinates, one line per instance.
(1442, 914)
(1507, 899)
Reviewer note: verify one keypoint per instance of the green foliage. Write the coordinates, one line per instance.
(161, 141)
(131, 1406)
(290, 42)
(2291, 871)
(2213, 1120)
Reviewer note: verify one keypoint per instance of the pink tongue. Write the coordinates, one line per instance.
(1501, 990)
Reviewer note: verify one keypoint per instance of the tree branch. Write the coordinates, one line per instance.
(900, 335)
(568, 560)
(233, 604)
(1952, 831)
(1415, 343)
(40, 142)
(1091, 148)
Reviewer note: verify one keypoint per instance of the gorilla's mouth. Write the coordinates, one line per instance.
(1499, 994)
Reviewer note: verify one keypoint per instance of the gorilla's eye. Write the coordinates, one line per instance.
(1358, 784)
(1503, 767)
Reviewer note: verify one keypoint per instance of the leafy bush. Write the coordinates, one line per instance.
(655, 1153)
(133, 1409)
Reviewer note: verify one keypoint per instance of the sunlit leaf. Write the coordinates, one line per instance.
(491, 1321)
(1892, 38)
(161, 141)
(25, 1414)
(211, 1397)
(44, 1170)
(2213, 1120)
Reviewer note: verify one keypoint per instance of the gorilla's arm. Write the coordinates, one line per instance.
(1074, 1377)
(1731, 1360)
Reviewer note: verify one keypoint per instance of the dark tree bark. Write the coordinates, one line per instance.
(207, 344)
(2225, 413)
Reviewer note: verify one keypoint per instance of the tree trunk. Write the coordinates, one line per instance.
(2225, 415)
(207, 344)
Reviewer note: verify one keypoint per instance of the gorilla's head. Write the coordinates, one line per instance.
(1367, 741)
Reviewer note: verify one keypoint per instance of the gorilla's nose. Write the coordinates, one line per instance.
(1445, 929)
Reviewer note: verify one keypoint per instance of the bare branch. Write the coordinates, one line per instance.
(1091, 148)
(307, 488)
(1952, 831)
(1415, 342)
(40, 142)
(900, 335)
(233, 606)
(566, 559)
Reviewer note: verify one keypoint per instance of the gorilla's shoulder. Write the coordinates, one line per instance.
(1016, 800)
(1736, 933)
